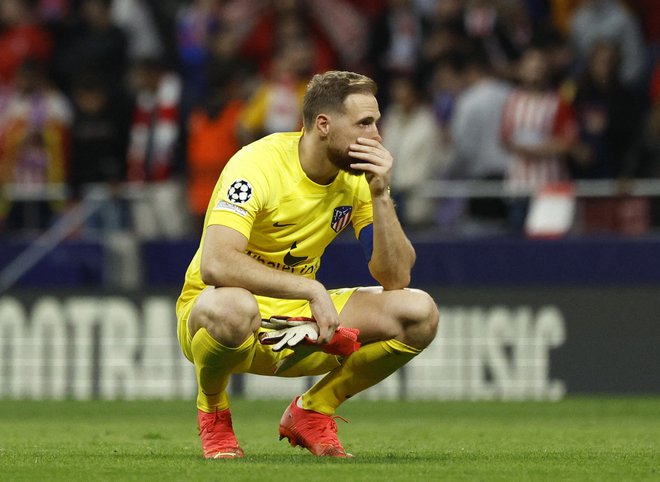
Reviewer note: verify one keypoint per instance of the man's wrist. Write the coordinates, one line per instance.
(315, 291)
(383, 196)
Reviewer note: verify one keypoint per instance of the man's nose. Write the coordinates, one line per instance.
(376, 135)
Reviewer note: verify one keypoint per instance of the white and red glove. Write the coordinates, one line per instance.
(300, 334)
(291, 336)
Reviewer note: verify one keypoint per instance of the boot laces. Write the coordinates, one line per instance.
(326, 431)
(218, 427)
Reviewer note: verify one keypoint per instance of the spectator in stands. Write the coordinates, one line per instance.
(275, 105)
(608, 114)
(539, 130)
(445, 85)
(561, 13)
(98, 147)
(502, 40)
(475, 133)
(273, 24)
(444, 36)
(643, 159)
(648, 12)
(196, 23)
(410, 133)
(225, 56)
(34, 139)
(395, 43)
(135, 18)
(53, 11)
(21, 37)
(607, 19)
(212, 138)
(93, 45)
(654, 87)
(152, 151)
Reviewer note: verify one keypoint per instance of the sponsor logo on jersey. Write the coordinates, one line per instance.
(291, 260)
(225, 206)
(304, 269)
(240, 191)
(340, 218)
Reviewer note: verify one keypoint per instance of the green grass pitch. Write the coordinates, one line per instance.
(576, 439)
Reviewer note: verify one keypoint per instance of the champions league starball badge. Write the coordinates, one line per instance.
(240, 191)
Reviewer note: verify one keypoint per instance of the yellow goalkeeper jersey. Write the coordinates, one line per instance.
(288, 219)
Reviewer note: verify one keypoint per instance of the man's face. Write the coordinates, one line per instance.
(534, 69)
(358, 120)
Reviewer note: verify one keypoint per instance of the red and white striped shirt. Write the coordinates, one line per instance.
(530, 119)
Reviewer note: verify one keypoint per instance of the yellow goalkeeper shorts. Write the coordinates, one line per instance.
(264, 360)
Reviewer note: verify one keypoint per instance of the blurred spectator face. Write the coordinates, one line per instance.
(95, 13)
(224, 44)
(447, 79)
(403, 92)
(533, 69)
(448, 9)
(295, 58)
(604, 63)
(13, 12)
(145, 76)
(301, 57)
(289, 27)
(29, 78)
(90, 100)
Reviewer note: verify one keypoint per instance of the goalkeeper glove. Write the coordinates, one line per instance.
(294, 331)
(290, 337)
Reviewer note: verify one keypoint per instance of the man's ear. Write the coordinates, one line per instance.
(323, 125)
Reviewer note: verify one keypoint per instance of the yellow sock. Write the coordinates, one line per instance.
(213, 364)
(363, 369)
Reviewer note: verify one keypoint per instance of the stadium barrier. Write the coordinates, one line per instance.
(516, 343)
(521, 319)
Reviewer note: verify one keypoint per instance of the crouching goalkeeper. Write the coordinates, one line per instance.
(276, 206)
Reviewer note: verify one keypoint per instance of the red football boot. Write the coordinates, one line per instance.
(314, 431)
(217, 434)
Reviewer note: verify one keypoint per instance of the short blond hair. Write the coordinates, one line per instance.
(327, 92)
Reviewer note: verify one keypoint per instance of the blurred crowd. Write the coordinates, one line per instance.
(150, 98)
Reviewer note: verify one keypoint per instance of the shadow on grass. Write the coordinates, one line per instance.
(303, 458)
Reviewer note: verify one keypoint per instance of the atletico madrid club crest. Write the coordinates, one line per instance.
(341, 217)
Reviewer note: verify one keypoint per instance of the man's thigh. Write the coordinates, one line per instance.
(381, 314)
(264, 360)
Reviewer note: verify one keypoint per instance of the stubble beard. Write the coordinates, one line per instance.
(342, 161)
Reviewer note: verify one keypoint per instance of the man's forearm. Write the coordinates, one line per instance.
(237, 269)
(393, 255)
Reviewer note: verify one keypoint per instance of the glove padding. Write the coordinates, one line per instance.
(290, 337)
(291, 331)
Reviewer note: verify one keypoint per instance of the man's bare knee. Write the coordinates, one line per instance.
(230, 315)
(422, 320)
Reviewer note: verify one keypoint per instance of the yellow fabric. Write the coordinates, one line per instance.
(287, 218)
(214, 362)
(213, 365)
(364, 368)
(267, 307)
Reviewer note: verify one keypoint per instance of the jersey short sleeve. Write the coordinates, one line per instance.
(241, 192)
(364, 213)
